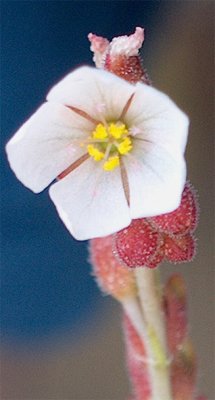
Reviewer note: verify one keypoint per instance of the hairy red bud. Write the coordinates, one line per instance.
(112, 277)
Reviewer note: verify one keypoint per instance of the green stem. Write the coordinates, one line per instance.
(151, 305)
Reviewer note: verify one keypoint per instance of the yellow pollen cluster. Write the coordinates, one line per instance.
(117, 130)
(100, 132)
(125, 146)
(108, 142)
(111, 163)
(95, 153)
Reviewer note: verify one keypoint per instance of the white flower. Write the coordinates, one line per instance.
(116, 149)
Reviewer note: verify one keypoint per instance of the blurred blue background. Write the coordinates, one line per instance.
(56, 327)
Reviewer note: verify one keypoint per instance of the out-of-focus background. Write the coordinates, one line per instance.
(61, 338)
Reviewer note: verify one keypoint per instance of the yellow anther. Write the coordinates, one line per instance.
(107, 142)
(100, 132)
(95, 153)
(125, 146)
(111, 163)
(117, 130)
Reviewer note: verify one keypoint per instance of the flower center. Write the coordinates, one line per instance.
(108, 142)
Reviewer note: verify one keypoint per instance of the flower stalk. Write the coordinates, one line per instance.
(151, 306)
(160, 358)
(139, 294)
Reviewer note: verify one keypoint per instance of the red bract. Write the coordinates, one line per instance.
(158, 257)
(184, 219)
(147, 241)
(137, 245)
(179, 248)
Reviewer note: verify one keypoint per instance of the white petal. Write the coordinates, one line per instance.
(156, 180)
(91, 202)
(87, 88)
(46, 145)
(158, 119)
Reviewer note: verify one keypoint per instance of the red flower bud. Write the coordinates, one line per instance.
(128, 68)
(183, 373)
(137, 245)
(179, 248)
(112, 277)
(184, 219)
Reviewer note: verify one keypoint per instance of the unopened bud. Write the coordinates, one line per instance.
(112, 277)
(184, 219)
(183, 373)
(180, 248)
(121, 55)
(138, 244)
(176, 312)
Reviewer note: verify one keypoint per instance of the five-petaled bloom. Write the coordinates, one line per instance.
(115, 148)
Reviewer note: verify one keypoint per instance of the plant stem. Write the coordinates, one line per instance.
(133, 310)
(150, 300)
